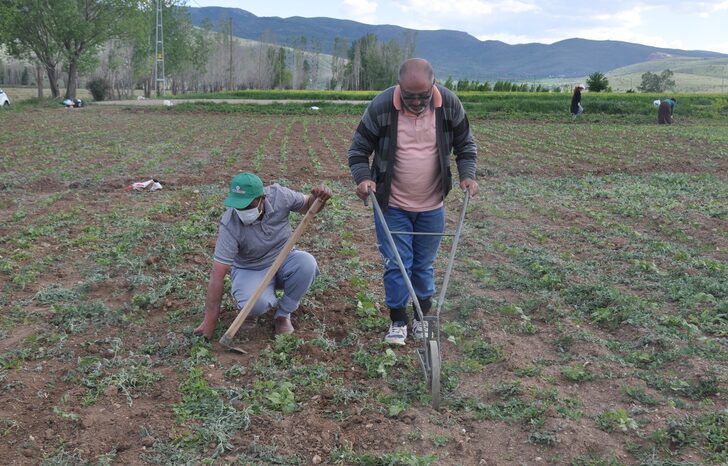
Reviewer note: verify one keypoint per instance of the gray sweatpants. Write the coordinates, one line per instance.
(295, 277)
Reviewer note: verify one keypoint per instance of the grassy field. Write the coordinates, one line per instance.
(553, 107)
(691, 74)
(586, 320)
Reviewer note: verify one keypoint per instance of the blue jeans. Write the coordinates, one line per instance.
(295, 277)
(417, 253)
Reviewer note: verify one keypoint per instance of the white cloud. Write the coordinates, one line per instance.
(624, 34)
(360, 10)
(623, 19)
(511, 38)
(465, 9)
(722, 48)
(707, 9)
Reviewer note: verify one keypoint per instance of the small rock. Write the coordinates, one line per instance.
(369, 426)
(148, 441)
(316, 459)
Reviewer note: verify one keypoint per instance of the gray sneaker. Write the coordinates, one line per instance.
(419, 328)
(397, 333)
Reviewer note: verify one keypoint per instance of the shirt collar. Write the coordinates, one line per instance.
(434, 103)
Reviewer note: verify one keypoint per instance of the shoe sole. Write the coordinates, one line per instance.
(395, 342)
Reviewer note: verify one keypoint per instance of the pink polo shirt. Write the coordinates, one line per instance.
(416, 183)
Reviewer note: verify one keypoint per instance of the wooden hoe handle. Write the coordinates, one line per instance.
(227, 338)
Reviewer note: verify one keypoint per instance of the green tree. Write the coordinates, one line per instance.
(338, 63)
(25, 29)
(72, 30)
(81, 27)
(372, 64)
(186, 48)
(25, 77)
(597, 82)
(652, 82)
(281, 75)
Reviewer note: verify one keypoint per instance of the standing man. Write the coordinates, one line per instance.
(252, 232)
(412, 128)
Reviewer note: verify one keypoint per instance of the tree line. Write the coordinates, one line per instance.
(111, 43)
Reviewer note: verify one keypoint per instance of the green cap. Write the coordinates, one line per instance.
(244, 188)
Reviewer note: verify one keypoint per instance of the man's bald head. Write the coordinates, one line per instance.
(416, 69)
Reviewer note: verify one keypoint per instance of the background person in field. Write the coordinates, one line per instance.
(412, 128)
(576, 108)
(252, 232)
(665, 110)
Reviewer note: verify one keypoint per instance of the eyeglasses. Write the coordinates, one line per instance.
(423, 97)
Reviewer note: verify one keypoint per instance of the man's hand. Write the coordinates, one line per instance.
(362, 189)
(471, 184)
(213, 299)
(322, 192)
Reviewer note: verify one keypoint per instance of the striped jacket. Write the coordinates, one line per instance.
(377, 133)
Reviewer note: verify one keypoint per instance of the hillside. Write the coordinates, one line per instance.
(453, 53)
(691, 74)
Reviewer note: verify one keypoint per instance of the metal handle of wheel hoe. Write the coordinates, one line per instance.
(402, 269)
(453, 250)
(390, 240)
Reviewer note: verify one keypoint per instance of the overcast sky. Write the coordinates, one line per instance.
(698, 25)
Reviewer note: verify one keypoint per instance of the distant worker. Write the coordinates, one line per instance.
(576, 108)
(664, 111)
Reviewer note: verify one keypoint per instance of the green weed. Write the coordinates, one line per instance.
(368, 316)
(481, 352)
(615, 420)
(346, 456)
(375, 363)
(577, 373)
(217, 422)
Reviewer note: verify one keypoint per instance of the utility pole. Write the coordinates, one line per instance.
(159, 82)
(230, 69)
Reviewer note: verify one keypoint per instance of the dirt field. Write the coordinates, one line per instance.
(586, 320)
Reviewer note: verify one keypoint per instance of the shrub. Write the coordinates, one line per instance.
(100, 89)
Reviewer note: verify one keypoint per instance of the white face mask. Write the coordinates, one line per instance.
(249, 216)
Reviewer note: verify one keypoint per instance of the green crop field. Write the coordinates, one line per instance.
(586, 321)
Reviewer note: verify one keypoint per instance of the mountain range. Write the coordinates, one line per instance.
(452, 53)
